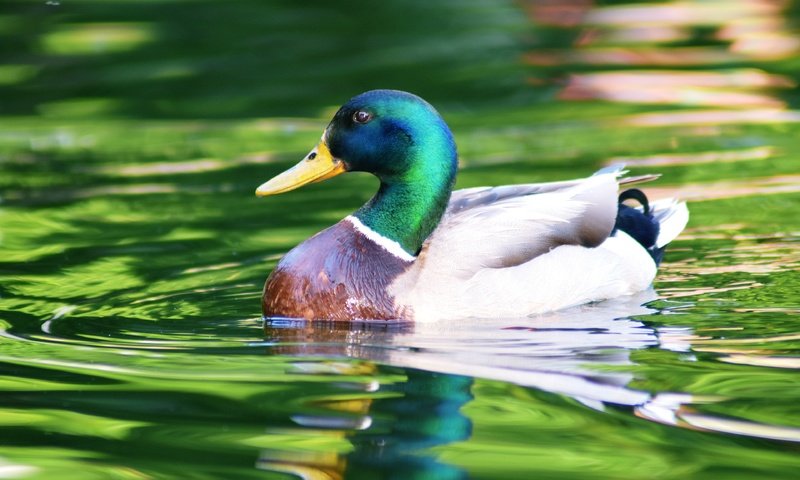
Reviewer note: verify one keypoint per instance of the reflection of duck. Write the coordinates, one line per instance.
(382, 428)
(416, 252)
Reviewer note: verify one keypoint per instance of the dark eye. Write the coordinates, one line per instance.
(362, 117)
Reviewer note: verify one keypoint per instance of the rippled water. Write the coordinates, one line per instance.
(132, 249)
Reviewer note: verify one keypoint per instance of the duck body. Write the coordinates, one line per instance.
(417, 251)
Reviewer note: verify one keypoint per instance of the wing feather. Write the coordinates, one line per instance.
(507, 226)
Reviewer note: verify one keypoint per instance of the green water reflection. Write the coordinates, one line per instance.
(132, 249)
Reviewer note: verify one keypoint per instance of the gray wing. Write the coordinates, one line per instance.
(506, 226)
(474, 197)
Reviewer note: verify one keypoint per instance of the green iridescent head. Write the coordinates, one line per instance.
(394, 135)
(401, 139)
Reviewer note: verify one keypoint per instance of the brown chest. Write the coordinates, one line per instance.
(339, 275)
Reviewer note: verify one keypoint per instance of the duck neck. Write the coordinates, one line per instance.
(408, 208)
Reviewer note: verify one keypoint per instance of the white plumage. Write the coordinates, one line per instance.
(518, 250)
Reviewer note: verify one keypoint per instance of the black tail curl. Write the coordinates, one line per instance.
(639, 224)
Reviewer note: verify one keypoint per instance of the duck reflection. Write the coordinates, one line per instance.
(390, 425)
(424, 413)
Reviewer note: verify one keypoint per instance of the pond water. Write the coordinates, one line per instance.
(133, 251)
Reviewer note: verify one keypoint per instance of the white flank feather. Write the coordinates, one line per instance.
(568, 275)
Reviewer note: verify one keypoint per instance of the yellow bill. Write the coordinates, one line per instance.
(318, 165)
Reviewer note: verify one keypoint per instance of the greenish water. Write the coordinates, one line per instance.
(133, 251)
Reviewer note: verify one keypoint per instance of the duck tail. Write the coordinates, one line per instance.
(653, 225)
(672, 216)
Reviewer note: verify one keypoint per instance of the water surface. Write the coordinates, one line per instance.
(132, 249)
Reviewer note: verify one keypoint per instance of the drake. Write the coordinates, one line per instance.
(419, 251)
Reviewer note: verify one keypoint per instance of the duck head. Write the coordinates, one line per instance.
(392, 134)
(402, 140)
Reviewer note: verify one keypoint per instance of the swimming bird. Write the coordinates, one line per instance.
(419, 251)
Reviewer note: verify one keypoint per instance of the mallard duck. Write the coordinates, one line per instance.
(419, 251)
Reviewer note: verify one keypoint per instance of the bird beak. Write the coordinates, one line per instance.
(318, 165)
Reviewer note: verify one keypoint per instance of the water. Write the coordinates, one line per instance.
(132, 249)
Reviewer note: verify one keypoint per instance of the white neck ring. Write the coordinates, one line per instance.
(389, 245)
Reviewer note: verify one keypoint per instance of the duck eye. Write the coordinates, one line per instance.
(362, 117)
